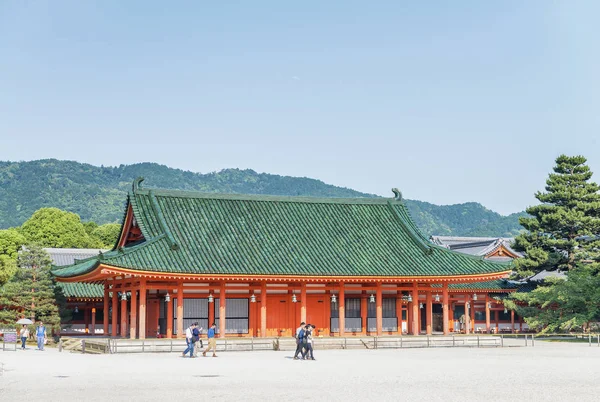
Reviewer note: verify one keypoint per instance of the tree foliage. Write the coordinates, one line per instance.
(51, 227)
(107, 234)
(31, 292)
(562, 234)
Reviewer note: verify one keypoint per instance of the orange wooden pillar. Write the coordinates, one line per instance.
(467, 315)
(93, 329)
(415, 310)
(364, 310)
(105, 311)
(133, 315)
(512, 321)
(379, 309)
(472, 320)
(222, 309)
(142, 326)
(409, 318)
(445, 312)
(180, 331)
(303, 302)
(86, 319)
(115, 311)
(429, 312)
(342, 310)
(123, 313)
(399, 312)
(263, 309)
(169, 307)
(487, 313)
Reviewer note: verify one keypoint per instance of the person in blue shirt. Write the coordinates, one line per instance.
(41, 335)
(212, 341)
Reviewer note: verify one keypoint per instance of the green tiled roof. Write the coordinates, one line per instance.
(498, 284)
(82, 290)
(197, 233)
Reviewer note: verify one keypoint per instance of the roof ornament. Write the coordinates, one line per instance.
(137, 184)
(397, 194)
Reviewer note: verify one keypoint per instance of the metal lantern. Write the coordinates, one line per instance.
(76, 310)
(437, 297)
(294, 300)
(490, 305)
(409, 298)
(210, 298)
(372, 299)
(420, 305)
(167, 297)
(468, 305)
(253, 298)
(123, 296)
(333, 298)
(505, 310)
(474, 296)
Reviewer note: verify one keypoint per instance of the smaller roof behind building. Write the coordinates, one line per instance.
(480, 246)
(68, 256)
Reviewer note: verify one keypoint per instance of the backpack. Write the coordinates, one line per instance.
(301, 335)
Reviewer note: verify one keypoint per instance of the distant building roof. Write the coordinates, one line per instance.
(488, 247)
(68, 256)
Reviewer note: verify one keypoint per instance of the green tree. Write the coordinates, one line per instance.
(562, 234)
(11, 241)
(51, 227)
(558, 229)
(8, 267)
(107, 234)
(31, 292)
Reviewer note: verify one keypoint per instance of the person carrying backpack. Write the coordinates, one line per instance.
(196, 338)
(189, 341)
(299, 337)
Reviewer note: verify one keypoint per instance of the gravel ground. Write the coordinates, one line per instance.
(547, 372)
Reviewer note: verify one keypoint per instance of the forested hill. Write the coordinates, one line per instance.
(98, 194)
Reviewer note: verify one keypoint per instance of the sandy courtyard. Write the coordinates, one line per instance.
(547, 372)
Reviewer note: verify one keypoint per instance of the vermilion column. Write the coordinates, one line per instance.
(445, 308)
(142, 327)
(133, 315)
(342, 310)
(170, 315)
(409, 317)
(415, 310)
(512, 320)
(263, 309)
(93, 330)
(472, 316)
(222, 309)
(86, 318)
(429, 312)
(364, 309)
(379, 309)
(399, 312)
(123, 315)
(487, 313)
(303, 302)
(115, 311)
(180, 331)
(467, 315)
(105, 309)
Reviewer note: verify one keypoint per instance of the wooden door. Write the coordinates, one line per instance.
(278, 316)
(152, 314)
(316, 312)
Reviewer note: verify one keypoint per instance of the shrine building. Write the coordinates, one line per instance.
(259, 265)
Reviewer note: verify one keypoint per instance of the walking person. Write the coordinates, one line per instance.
(189, 341)
(196, 338)
(299, 331)
(212, 341)
(41, 336)
(24, 333)
(309, 342)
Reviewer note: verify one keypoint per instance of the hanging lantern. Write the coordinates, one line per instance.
(437, 297)
(372, 299)
(76, 310)
(253, 298)
(210, 298)
(167, 297)
(294, 300)
(420, 305)
(333, 298)
(468, 305)
(474, 296)
(490, 305)
(409, 298)
(505, 310)
(123, 296)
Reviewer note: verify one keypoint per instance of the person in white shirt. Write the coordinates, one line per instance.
(189, 341)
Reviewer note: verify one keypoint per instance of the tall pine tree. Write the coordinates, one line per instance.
(562, 234)
(31, 293)
(559, 229)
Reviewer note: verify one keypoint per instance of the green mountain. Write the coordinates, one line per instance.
(98, 194)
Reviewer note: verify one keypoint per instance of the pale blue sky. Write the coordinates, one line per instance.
(450, 101)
